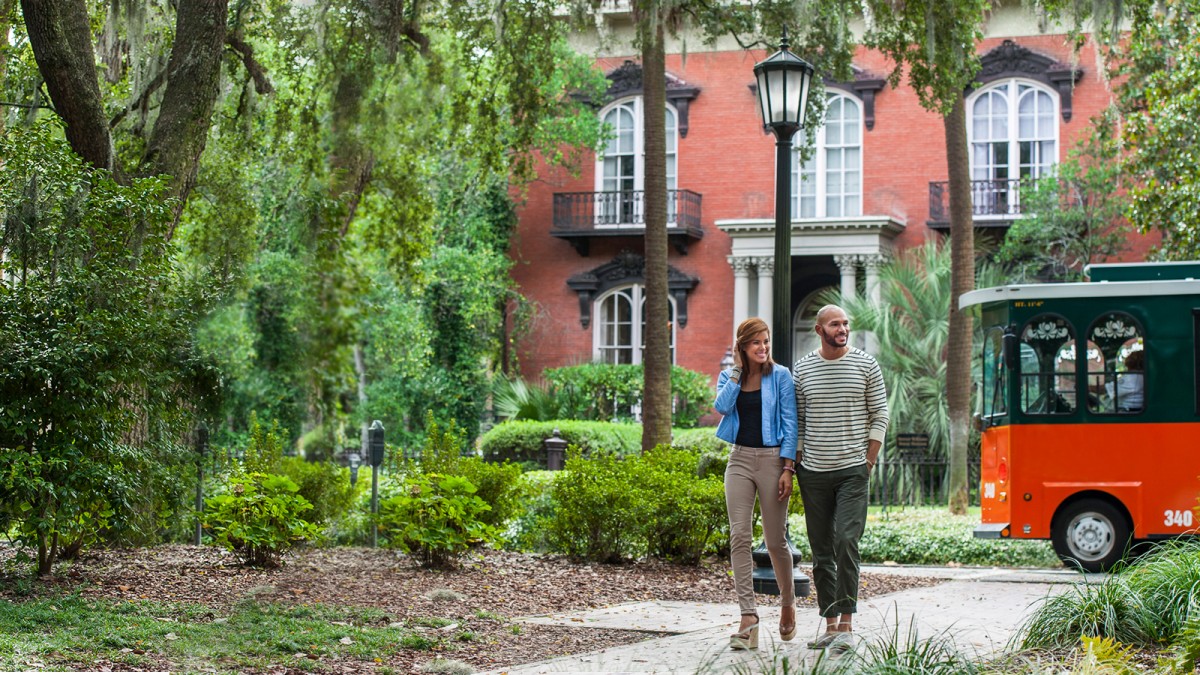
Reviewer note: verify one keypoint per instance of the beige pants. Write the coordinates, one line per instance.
(755, 472)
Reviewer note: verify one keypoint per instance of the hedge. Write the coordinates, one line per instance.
(521, 441)
(608, 392)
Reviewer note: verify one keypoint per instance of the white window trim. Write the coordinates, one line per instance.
(637, 291)
(1011, 87)
(820, 170)
(639, 155)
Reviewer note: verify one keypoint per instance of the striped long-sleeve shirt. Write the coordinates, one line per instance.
(841, 405)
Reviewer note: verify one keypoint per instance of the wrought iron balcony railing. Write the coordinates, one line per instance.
(996, 200)
(584, 211)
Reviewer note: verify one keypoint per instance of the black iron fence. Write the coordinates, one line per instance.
(581, 211)
(918, 481)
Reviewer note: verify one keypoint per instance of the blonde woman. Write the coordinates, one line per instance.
(757, 401)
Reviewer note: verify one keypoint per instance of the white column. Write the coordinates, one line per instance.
(848, 264)
(741, 289)
(872, 263)
(766, 290)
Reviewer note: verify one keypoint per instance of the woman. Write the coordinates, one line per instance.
(757, 401)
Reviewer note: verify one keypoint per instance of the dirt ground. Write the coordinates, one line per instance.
(499, 585)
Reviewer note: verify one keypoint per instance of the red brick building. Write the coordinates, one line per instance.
(875, 187)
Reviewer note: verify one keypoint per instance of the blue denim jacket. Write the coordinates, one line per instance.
(778, 407)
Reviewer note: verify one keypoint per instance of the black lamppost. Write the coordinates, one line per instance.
(201, 450)
(783, 83)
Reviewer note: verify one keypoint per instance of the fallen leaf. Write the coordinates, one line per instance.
(171, 636)
(346, 641)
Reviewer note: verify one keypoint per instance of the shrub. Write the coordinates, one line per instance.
(600, 391)
(600, 509)
(260, 516)
(527, 531)
(496, 485)
(325, 485)
(522, 441)
(607, 508)
(435, 518)
(264, 449)
(690, 517)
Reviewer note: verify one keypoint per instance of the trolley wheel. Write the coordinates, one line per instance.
(1090, 534)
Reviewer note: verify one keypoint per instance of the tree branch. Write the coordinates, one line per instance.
(29, 106)
(140, 101)
(246, 52)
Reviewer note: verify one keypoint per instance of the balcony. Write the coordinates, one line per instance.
(580, 217)
(995, 203)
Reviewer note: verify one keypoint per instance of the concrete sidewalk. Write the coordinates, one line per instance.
(978, 608)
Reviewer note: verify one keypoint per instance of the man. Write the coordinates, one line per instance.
(841, 410)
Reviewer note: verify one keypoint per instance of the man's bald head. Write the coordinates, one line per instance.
(828, 312)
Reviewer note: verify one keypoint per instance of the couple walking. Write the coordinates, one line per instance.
(821, 424)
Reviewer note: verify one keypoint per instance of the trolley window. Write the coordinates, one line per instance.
(994, 376)
(1047, 366)
(1120, 388)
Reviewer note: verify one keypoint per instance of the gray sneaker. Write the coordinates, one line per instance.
(824, 641)
(843, 641)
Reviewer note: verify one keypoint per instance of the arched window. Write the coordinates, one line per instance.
(830, 183)
(1046, 364)
(618, 338)
(620, 168)
(1013, 130)
(1119, 386)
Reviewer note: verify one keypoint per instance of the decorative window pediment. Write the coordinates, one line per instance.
(626, 81)
(627, 268)
(1010, 60)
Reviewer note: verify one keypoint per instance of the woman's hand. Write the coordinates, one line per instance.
(785, 484)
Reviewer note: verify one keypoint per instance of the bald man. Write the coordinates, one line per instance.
(842, 415)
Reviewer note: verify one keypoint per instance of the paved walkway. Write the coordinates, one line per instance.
(978, 608)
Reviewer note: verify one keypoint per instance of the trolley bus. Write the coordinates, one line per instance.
(1089, 409)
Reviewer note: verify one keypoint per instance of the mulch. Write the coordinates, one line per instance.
(492, 588)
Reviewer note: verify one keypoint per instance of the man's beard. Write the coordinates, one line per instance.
(831, 340)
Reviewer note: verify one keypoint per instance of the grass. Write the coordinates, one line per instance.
(932, 536)
(252, 637)
(1152, 601)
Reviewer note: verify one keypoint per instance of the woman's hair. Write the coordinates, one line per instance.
(1135, 360)
(746, 332)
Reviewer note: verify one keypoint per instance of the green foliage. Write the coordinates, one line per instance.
(895, 653)
(600, 509)
(713, 452)
(250, 636)
(496, 485)
(518, 400)
(932, 536)
(1160, 65)
(434, 518)
(264, 448)
(601, 391)
(607, 508)
(1074, 217)
(94, 342)
(260, 516)
(325, 485)
(1151, 601)
(691, 518)
(527, 531)
(522, 441)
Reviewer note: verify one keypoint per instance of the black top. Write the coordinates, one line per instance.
(749, 409)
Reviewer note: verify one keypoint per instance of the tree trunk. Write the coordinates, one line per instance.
(962, 280)
(193, 84)
(61, 37)
(656, 397)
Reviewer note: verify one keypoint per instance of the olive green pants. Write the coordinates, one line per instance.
(835, 511)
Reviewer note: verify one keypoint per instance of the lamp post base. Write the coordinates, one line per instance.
(764, 574)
